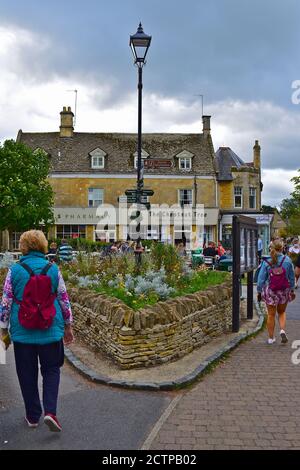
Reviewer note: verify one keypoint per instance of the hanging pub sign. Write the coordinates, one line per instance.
(245, 260)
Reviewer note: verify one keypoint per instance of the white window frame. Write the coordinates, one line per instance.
(185, 156)
(179, 196)
(101, 200)
(252, 188)
(15, 238)
(187, 163)
(97, 159)
(238, 195)
(97, 162)
(104, 235)
(209, 233)
(68, 234)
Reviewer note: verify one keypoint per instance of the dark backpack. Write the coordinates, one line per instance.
(37, 309)
(277, 276)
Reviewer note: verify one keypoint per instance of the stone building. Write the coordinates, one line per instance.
(279, 226)
(240, 190)
(92, 169)
(88, 169)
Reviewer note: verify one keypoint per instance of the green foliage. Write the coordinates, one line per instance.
(296, 192)
(84, 265)
(116, 276)
(148, 243)
(293, 227)
(133, 301)
(290, 209)
(268, 209)
(165, 255)
(117, 265)
(203, 280)
(82, 244)
(26, 196)
(200, 281)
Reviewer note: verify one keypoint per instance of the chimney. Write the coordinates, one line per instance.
(256, 155)
(206, 125)
(66, 122)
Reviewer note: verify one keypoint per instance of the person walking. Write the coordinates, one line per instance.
(65, 252)
(259, 248)
(52, 253)
(36, 311)
(297, 271)
(275, 285)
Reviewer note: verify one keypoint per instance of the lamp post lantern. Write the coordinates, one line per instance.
(139, 43)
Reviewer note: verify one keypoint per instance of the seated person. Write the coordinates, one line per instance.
(210, 250)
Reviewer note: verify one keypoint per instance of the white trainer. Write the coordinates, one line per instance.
(284, 338)
(31, 424)
(271, 340)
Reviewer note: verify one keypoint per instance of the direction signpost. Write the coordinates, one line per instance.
(143, 192)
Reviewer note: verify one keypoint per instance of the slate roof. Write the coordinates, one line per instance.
(72, 154)
(225, 160)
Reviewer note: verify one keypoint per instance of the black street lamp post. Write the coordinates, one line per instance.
(139, 43)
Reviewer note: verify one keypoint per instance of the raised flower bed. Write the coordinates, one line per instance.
(156, 333)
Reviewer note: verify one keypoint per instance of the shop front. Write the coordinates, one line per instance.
(264, 229)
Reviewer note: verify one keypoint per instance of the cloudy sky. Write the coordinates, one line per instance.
(243, 56)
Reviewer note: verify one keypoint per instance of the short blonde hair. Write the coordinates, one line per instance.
(33, 240)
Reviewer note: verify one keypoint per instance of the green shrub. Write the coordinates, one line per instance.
(81, 244)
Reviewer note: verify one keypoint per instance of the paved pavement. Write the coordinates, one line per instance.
(93, 416)
(251, 401)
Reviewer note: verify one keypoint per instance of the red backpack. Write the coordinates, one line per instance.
(37, 309)
(277, 277)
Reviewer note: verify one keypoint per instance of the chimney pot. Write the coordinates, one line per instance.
(206, 125)
(256, 155)
(66, 122)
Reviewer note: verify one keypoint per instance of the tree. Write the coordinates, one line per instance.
(26, 197)
(296, 192)
(289, 208)
(293, 227)
(268, 209)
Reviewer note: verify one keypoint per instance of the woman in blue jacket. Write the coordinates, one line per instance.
(37, 345)
(276, 301)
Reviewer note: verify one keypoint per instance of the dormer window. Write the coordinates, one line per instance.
(185, 160)
(185, 163)
(97, 159)
(144, 155)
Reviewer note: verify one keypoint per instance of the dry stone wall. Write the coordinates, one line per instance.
(155, 334)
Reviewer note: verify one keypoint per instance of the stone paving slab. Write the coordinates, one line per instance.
(250, 401)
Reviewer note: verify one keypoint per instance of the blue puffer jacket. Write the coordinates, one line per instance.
(36, 261)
